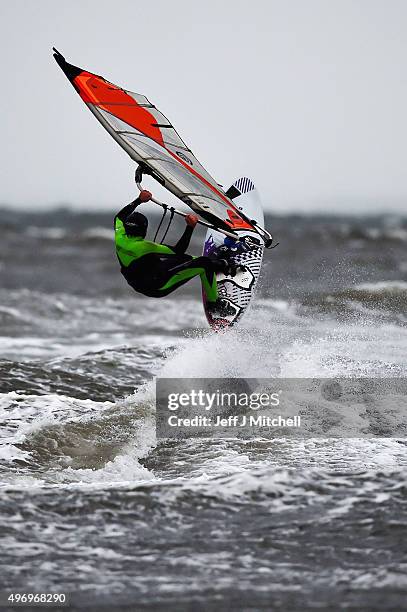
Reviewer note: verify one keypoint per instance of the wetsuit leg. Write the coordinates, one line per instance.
(182, 273)
(159, 275)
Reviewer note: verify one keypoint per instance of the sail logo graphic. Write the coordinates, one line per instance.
(184, 157)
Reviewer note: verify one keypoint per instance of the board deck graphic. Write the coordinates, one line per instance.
(237, 291)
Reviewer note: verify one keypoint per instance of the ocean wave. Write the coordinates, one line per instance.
(70, 233)
(381, 301)
(383, 287)
(364, 233)
(56, 436)
(102, 233)
(35, 324)
(390, 234)
(282, 487)
(51, 233)
(8, 313)
(387, 296)
(101, 374)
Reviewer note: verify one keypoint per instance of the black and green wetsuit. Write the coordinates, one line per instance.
(155, 269)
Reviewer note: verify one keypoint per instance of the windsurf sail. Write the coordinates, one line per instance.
(151, 140)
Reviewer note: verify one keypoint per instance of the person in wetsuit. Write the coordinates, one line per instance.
(156, 270)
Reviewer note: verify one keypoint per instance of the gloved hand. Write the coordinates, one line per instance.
(145, 196)
(191, 220)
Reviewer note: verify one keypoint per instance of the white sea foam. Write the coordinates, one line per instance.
(23, 416)
(390, 286)
(271, 342)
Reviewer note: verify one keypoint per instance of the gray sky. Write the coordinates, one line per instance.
(309, 98)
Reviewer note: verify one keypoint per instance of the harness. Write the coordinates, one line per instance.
(172, 213)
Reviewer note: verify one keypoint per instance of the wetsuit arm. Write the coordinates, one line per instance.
(127, 210)
(183, 242)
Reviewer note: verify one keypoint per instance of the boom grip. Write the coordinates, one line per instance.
(144, 169)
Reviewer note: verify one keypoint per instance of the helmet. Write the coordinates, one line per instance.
(136, 225)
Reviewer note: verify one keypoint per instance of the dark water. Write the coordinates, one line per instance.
(92, 505)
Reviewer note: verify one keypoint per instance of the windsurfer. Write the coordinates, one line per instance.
(156, 270)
